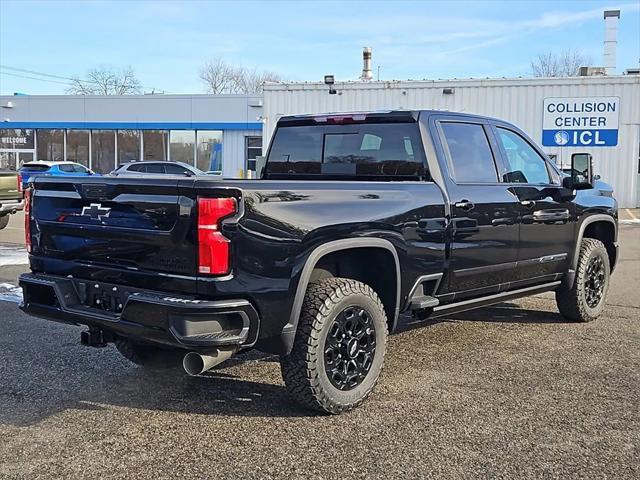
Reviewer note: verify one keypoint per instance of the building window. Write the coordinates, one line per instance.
(182, 146)
(16, 138)
(254, 149)
(154, 144)
(209, 157)
(103, 150)
(128, 146)
(50, 144)
(78, 146)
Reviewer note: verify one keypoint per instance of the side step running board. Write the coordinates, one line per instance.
(492, 299)
(423, 301)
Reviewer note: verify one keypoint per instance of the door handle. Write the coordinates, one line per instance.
(465, 205)
(528, 203)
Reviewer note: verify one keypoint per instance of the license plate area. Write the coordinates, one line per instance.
(105, 297)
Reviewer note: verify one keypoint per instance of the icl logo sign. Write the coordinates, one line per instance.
(581, 122)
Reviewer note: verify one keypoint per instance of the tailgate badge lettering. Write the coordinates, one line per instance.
(96, 211)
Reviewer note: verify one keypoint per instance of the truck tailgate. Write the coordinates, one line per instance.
(120, 224)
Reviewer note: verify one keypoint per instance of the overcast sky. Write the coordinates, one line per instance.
(167, 42)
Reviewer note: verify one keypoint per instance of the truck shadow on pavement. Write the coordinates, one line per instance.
(46, 372)
(499, 313)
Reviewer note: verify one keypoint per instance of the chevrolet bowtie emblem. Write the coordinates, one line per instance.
(95, 211)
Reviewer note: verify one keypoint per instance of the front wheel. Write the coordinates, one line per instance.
(586, 298)
(339, 348)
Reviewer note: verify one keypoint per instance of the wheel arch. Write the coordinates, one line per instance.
(331, 250)
(600, 227)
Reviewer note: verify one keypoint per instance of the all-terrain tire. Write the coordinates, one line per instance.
(304, 370)
(572, 302)
(4, 221)
(148, 356)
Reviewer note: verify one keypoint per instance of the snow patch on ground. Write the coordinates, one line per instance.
(13, 256)
(10, 293)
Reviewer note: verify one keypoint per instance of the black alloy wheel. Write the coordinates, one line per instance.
(350, 348)
(594, 282)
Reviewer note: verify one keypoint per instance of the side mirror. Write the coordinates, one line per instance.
(581, 172)
(261, 162)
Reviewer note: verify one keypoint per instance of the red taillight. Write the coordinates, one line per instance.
(213, 247)
(27, 219)
(19, 182)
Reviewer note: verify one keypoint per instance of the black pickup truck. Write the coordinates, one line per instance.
(357, 218)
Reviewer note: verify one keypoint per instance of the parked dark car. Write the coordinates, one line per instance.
(357, 218)
(156, 168)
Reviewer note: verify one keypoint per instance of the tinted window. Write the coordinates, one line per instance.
(525, 165)
(155, 168)
(35, 167)
(176, 170)
(470, 153)
(71, 168)
(137, 168)
(391, 149)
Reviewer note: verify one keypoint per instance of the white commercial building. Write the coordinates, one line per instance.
(219, 133)
(595, 114)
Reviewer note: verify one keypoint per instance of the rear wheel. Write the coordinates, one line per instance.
(586, 298)
(339, 347)
(4, 221)
(149, 356)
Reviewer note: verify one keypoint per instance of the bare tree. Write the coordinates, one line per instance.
(563, 64)
(220, 77)
(106, 80)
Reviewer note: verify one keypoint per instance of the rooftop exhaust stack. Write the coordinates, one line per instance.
(367, 74)
(611, 18)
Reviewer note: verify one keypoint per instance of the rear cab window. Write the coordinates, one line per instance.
(369, 150)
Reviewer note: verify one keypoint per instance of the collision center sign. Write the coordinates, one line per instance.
(581, 122)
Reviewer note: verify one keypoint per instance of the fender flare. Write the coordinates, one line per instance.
(598, 217)
(289, 330)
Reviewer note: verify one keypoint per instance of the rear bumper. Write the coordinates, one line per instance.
(11, 206)
(156, 317)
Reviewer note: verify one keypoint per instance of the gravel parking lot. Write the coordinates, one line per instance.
(509, 391)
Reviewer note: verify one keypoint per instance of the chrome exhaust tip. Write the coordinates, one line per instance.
(197, 363)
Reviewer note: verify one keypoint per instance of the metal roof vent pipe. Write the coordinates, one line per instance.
(611, 19)
(367, 73)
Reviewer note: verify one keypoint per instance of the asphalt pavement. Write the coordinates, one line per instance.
(510, 391)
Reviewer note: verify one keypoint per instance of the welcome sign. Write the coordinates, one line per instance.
(580, 122)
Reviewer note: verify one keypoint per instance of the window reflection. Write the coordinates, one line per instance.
(209, 151)
(78, 146)
(254, 149)
(16, 138)
(155, 144)
(128, 145)
(103, 154)
(182, 145)
(50, 144)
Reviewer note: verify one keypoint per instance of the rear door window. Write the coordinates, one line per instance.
(471, 157)
(155, 168)
(383, 149)
(176, 170)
